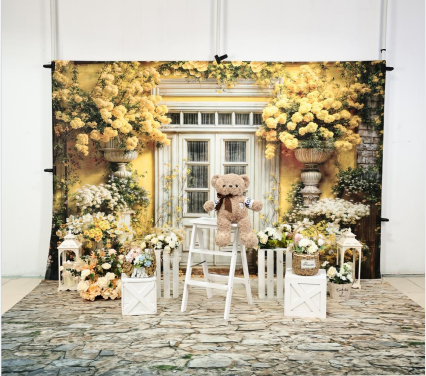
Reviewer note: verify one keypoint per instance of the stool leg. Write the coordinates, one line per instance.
(203, 259)
(246, 274)
(231, 276)
(188, 269)
(230, 284)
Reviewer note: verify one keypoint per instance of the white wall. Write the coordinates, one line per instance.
(403, 238)
(26, 145)
(303, 30)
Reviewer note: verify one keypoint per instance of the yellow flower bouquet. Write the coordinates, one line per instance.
(119, 106)
(309, 110)
(99, 228)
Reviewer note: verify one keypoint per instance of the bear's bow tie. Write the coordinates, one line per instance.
(227, 200)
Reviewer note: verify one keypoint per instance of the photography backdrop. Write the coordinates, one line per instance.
(180, 123)
(26, 193)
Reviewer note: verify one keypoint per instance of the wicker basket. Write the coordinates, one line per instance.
(302, 264)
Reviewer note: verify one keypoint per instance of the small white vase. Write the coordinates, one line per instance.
(139, 273)
(339, 291)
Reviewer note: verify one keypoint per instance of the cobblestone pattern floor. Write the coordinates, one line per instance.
(378, 331)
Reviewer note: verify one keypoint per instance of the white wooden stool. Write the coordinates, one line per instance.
(198, 225)
(305, 296)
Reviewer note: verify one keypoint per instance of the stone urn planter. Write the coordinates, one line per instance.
(113, 153)
(311, 175)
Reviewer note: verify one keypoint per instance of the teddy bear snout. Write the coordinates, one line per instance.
(230, 186)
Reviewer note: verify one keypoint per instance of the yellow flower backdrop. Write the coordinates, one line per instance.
(311, 105)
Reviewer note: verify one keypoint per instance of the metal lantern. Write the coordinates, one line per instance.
(70, 244)
(348, 241)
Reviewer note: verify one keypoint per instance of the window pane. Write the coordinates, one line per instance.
(190, 118)
(225, 119)
(257, 119)
(207, 119)
(235, 151)
(175, 116)
(198, 177)
(242, 119)
(239, 170)
(196, 201)
(198, 151)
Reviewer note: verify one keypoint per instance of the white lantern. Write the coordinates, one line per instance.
(348, 241)
(70, 244)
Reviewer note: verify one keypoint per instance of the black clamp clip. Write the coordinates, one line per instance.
(220, 58)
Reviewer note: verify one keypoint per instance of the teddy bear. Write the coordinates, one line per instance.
(231, 207)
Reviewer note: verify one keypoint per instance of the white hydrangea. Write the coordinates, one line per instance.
(338, 210)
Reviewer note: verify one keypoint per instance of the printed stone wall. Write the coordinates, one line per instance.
(366, 152)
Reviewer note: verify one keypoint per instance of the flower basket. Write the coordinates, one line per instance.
(340, 291)
(305, 264)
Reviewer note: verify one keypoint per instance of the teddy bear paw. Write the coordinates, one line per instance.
(222, 239)
(208, 206)
(257, 206)
(249, 240)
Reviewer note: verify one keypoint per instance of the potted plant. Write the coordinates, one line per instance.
(339, 280)
(305, 250)
(142, 263)
(313, 116)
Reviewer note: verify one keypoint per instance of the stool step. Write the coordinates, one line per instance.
(207, 284)
(210, 252)
(219, 277)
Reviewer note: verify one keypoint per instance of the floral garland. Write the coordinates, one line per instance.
(226, 73)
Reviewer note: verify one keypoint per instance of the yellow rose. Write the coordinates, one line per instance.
(296, 118)
(236, 63)
(291, 126)
(95, 135)
(201, 66)
(257, 66)
(270, 151)
(271, 122)
(282, 118)
(304, 108)
(76, 123)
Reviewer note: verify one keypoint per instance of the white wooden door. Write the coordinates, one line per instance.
(207, 155)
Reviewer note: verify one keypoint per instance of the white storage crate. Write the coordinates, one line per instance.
(305, 296)
(138, 296)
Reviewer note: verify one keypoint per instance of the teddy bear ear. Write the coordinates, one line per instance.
(246, 180)
(214, 179)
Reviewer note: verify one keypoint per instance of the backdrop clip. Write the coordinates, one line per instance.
(220, 58)
(384, 219)
(50, 66)
(390, 68)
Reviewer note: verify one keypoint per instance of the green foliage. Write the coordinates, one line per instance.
(359, 181)
(295, 198)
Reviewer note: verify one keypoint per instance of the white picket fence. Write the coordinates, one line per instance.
(269, 282)
(170, 280)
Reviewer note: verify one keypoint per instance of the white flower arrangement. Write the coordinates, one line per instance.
(95, 197)
(274, 237)
(166, 239)
(339, 275)
(337, 210)
(306, 245)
